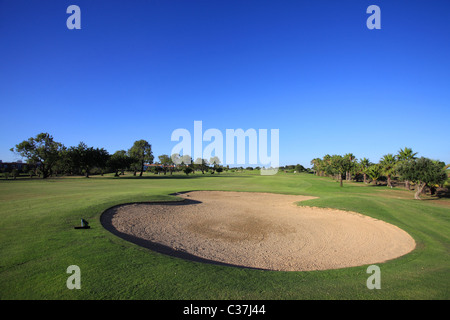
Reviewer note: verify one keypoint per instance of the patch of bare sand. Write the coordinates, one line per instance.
(258, 230)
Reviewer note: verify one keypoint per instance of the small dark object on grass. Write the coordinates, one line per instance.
(84, 225)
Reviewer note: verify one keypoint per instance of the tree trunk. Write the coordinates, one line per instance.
(432, 190)
(419, 190)
(389, 181)
(365, 178)
(45, 171)
(407, 185)
(340, 180)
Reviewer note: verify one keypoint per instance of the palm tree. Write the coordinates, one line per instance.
(388, 164)
(374, 172)
(327, 165)
(352, 159)
(364, 163)
(336, 167)
(317, 165)
(403, 156)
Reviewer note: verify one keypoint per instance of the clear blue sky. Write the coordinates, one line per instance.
(312, 69)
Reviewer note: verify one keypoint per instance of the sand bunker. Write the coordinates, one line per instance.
(258, 230)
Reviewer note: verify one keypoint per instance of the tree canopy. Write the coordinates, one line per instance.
(120, 161)
(388, 165)
(42, 149)
(423, 171)
(84, 157)
(142, 152)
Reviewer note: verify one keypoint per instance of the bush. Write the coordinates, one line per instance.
(14, 173)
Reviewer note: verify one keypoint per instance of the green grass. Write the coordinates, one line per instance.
(38, 242)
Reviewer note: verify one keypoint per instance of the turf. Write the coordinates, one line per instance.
(38, 242)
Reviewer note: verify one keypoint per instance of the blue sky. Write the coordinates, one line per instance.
(312, 69)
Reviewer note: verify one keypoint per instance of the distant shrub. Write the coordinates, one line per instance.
(14, 173)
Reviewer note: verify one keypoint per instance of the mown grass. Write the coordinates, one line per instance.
(38, 242)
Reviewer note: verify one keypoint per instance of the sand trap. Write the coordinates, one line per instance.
(258, 230)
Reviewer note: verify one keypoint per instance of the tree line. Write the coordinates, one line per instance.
(405, 165)
(46, 156)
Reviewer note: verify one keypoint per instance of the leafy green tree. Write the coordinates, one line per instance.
(317, 166)
(388, 165)
(142, 152)
(120, 161)
(328, 166)
(41, 150)
(176, 159)
(157, 169)
(165, 161)
(214, 161)
(14, 173)
(135, 166)
(186, 160)
(405, 155)
(423, 172)
(63, 164)
(341, 165)
(101, 159)
(201, 164)
(85, 158)
(187, 170)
